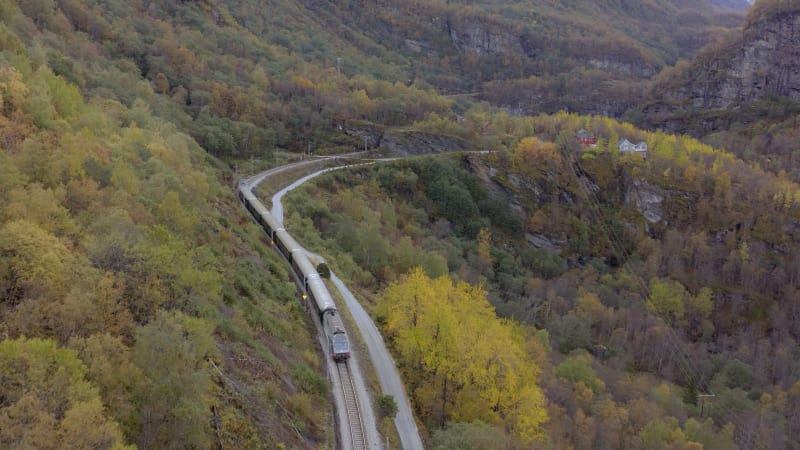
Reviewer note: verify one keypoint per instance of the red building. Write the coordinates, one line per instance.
(585, 138)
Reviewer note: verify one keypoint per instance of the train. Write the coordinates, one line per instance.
(306, 273)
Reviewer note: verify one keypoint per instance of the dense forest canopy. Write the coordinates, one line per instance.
(139, 307)
(243, 79)
(645, 317)
(736, 93)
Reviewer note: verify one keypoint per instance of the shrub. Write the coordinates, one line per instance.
(387, 407)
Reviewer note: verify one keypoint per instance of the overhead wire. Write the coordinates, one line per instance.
(683, 361)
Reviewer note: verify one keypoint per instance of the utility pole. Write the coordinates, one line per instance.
(702, 398)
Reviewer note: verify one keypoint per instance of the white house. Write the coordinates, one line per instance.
(626, 146)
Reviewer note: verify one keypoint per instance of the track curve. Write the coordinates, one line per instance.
(385, 367)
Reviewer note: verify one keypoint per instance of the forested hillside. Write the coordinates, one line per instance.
(642, 285)
(570, 297)
(138, 306)
(542, 56)
(243, 79)
(740, 93)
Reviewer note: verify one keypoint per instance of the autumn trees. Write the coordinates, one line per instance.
(244, 81)
(109, 251)
(51, 405)
(462, 362)
(172, 352)
(119, 247)
(642, 314)
(35, 263)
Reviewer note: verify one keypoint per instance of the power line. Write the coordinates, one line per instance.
(684, 362)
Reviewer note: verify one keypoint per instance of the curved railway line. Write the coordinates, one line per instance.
(353, 432)
(356, 423)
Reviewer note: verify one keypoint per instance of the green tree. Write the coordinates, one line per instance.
(404, 255)
(434, 264)
(703, 432)
(387, 407)
(173, 352)
(323, 270)
(178, 275)
(110, 367)
(40, 11)
(47, 401)
(578, 369)
(736, 374)
(668, 299)
(34, 263)
(658, 434)
(698, 314)
(470, 436)
(373, 251)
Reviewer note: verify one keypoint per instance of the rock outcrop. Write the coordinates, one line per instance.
(763, 62)
(406, 143)
(647, 198)
(476, 38)
(766, 63)
(370, 134)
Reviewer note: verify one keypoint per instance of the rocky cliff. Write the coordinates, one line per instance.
(408, 143)
(762, 62)
(475, 37)
(767, 62)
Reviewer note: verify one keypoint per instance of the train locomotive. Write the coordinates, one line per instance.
(306, 273)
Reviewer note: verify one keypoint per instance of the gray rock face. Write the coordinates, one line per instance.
(542, 241)
(766, 62)
(419, 46)
(369, 134)
(648, 199)
(406, 143)
(475, 38)
(622, 67)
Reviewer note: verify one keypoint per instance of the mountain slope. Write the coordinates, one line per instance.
(742, 93)
(542, 56)
(242, 79)
(125, 261)
(763, 61)
(138, 304)
(648, 280)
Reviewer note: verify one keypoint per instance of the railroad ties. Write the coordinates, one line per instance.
(357, 434)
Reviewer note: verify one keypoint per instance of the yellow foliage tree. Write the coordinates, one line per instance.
(48, 404)
(531, 149)
(463, 362)
(34, 262)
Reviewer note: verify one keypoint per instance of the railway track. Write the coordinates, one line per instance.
(358, 439)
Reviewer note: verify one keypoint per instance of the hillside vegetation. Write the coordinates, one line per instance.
(243, 79)
(644, 315)
(138, 306)
(738, 93)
